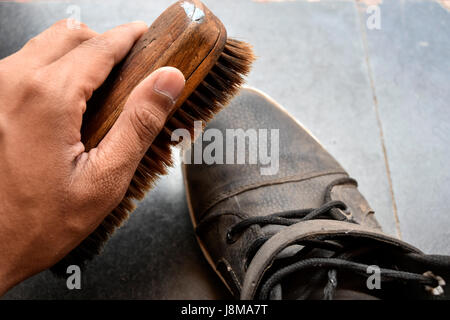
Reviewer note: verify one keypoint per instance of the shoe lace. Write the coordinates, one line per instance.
(331, 209)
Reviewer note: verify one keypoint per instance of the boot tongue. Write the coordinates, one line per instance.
(283, 243)
(302, 285)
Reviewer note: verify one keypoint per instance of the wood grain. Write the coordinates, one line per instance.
(175, 40)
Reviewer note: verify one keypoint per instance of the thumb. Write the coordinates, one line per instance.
(143, 117)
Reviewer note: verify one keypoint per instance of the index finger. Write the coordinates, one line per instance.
(89, 64)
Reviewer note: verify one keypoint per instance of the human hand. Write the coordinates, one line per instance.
(53, 194)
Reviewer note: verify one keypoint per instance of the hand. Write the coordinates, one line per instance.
(53, 194)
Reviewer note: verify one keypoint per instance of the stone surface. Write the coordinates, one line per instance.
(347, 84)
(409, 59)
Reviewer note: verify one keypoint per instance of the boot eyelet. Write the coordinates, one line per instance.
(439, 290)
(229, 237)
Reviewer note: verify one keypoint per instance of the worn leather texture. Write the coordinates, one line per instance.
(222, 195)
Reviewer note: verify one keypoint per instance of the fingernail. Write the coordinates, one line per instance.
(170, 83)
(139, 21)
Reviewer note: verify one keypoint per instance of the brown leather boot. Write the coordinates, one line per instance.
(302, 231)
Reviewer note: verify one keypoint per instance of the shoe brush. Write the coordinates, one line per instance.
(187, 36)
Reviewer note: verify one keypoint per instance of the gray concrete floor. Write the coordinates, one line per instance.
(379, 100)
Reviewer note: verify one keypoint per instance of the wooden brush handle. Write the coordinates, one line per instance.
(186, 36)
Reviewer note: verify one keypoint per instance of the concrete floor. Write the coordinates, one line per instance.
(379, 100)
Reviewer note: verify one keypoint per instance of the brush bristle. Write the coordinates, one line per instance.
(219, 86)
